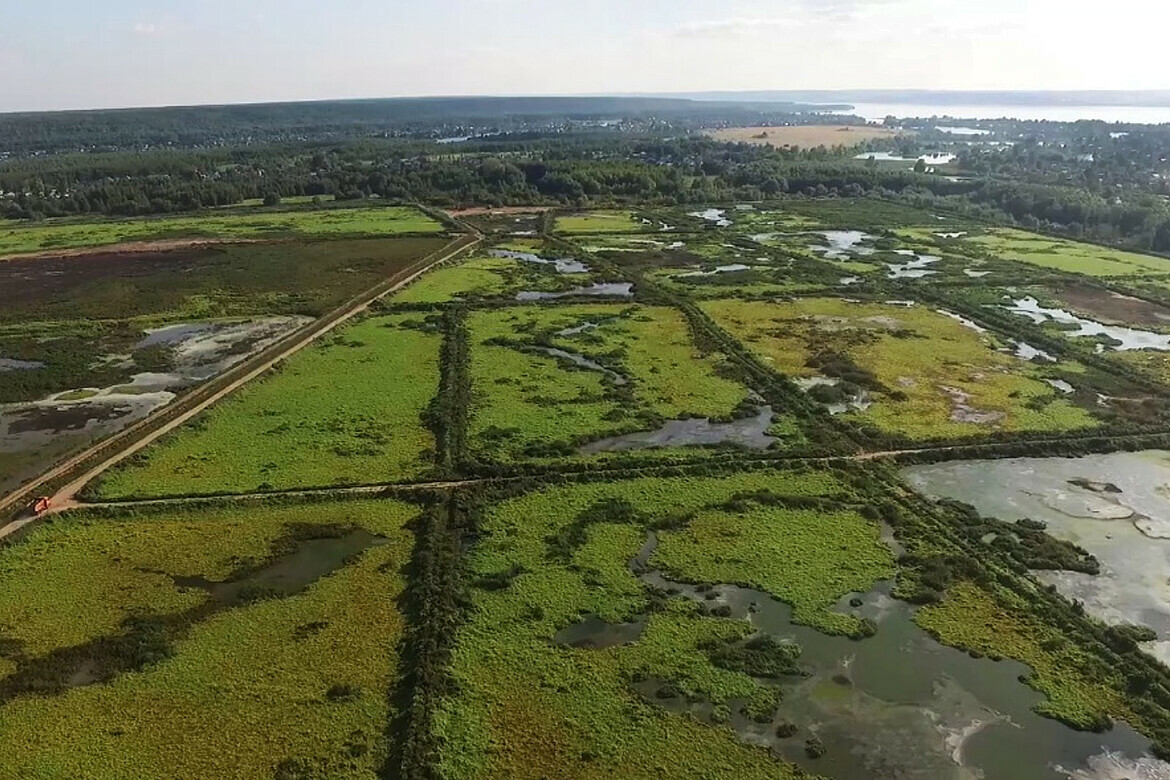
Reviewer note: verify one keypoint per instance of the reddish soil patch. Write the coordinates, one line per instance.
(46, 277)
(1112, 308)
(129, 247)
(486, 211)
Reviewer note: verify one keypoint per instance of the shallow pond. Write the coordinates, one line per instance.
(601, 289)
(11, 364)
(1025, 351)
(844, 243)
(912, 269)
(583, 362)
(563, 265)
(931, 158)
(1125, 338)
(721, 269)
(42, 431)
(311, 560)
(1115, 506)
(718, 216)
(895, 705)
(751, 432)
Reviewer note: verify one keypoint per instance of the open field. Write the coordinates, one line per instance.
(644, 370)
(324, 223)
(925, 375)
(347, 411)
(493, 276)
(528, 706)
(233, 280)
(1069, 256)
(246, 642)
(804, 136)
(601, 222)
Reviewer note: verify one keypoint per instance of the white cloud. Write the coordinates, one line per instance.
(145, 29)
(731, 27)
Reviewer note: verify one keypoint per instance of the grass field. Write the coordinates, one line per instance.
(601, 222)
(525, 706)
(347, 411)
(928, 375)
(527, 403)
(1069, 256)
(287, 679)
(324, 223)
(489, 277)
(804, 136)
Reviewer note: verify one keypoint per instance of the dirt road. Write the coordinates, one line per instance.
(142, 434)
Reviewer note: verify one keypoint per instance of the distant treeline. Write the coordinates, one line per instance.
(586, 167)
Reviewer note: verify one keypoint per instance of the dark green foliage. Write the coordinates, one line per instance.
(760, 656)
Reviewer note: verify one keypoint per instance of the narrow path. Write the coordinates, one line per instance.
(984, 451)
(142, 434)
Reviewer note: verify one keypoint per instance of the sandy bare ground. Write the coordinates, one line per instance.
(804, 136)
(141, 435)
(488, 211)
(132, 248)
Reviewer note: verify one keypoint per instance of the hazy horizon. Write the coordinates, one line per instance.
(66, 54)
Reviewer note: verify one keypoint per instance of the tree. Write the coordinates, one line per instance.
(272, 199)
(920, 166)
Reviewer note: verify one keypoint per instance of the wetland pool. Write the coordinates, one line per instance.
(1117, 507)
(895, 705)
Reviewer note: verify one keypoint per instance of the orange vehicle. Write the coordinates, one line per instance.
(41, 505)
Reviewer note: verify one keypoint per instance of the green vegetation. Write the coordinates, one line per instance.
(322, 223)
(601, 222)
(291, 676)
(348, 411)
(1080, 688)
(929, 375)
(530, 403)
(491, 277)
(783, 552)
(1069, 256)
(524, 706)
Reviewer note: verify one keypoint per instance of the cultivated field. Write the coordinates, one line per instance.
(805, 136)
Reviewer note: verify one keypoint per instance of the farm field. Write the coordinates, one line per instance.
(547, 380)
(347, 411)
(117, 629)
(324, 223)
(804, 136)
(906, 369)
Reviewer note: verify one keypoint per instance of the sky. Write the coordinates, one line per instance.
(65, 54)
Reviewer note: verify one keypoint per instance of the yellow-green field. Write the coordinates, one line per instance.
(1070, 256)
(526, 401)
(294, 682)
(936, 375)
(347, 411)
(601, 222)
